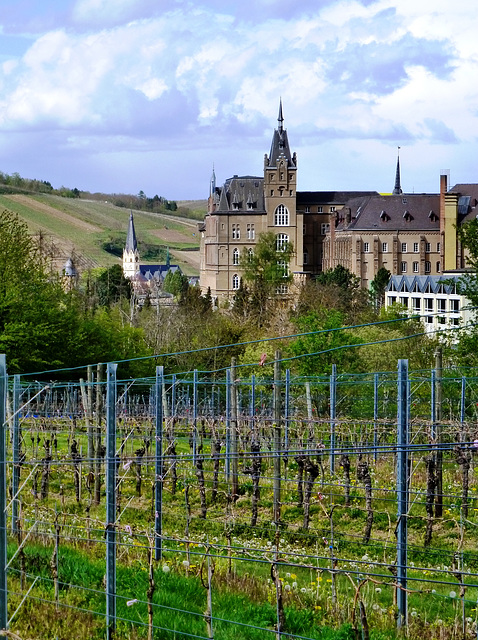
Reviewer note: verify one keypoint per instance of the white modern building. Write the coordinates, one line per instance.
(434, 298)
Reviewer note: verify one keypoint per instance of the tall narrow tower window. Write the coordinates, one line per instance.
(235, 257)
(281, 216)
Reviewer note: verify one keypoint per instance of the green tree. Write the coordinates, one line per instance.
(176, 283)
(317, 352)
(112, 286)
(378, 286)
(266, 272)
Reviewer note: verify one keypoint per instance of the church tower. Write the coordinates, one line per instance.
(280, 194)
(130, 252)
(397, 190)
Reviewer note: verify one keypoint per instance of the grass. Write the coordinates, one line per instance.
(243, 554)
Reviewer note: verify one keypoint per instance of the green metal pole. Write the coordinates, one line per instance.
(111, 500)
(3, 495)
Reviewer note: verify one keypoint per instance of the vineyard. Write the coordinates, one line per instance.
(272, 506)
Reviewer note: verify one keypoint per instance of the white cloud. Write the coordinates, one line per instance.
(345, 71)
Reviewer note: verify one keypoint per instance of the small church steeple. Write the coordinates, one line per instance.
(397, 189)
(130, 252)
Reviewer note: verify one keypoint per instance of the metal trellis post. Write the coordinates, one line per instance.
(333, 402)
(287, 410)
(195, 415)
(375, 416)
(15, 451)
(228, 424)
(402, 490)
(159, 462)
(111, 500)
(277, 437)
(3, 494)
(234, 432)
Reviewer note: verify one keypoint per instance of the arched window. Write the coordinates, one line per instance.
(282, 241)
(235, 256)
(235, 282)
(306, 256)
(281, 216)
(250, 254)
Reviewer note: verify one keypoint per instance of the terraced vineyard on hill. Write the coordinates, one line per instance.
(81, 228)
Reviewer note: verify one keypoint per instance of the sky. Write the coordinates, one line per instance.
(122, 96)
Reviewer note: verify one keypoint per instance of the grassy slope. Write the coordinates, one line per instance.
(81, 226)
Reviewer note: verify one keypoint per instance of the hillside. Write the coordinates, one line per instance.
(80, 228)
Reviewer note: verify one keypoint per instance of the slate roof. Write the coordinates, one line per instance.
(467, 201)
(280, 144)
(156, 271)
(330, 197)
(131, 244)
(69, 268)
(242, 193)
(406, 212)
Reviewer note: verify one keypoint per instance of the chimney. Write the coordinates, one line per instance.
(443, 190)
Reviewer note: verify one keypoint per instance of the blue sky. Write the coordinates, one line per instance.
(129, 95)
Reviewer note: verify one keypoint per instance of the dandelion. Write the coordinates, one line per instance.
(413, 614)
(375, 607)
(166, 569)
(434, 590)
(469, 620)
(287, 587)
(439, 621)
(293, 576)
(378, 590)
(303, 590)
(185, 564)
(452, 594)
(294, 585)
(130, 603)
(287, 575)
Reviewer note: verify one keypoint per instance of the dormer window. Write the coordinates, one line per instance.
(236, 204)
(384, 216)
(407, 215)
(250, 202)
(432, 216)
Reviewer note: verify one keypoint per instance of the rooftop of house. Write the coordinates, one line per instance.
(241, 193)
(405, 212)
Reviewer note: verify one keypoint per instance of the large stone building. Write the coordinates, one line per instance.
(246, 206)
(408, 234)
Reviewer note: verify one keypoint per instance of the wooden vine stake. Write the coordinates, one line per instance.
(208, 586)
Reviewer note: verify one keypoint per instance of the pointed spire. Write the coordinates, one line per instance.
(212, 188)
(397, 189)
(131, 244)
(281, 117)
